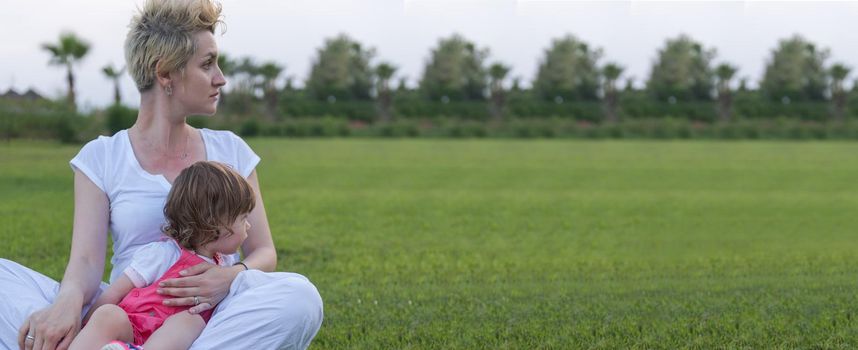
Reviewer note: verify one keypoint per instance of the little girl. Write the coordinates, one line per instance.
(206, 214)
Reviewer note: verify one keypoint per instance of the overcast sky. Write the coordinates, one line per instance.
(403, 31)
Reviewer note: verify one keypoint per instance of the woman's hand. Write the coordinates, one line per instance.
(51, 328)
(203, 287)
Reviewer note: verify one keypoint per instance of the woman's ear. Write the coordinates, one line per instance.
(163, 77)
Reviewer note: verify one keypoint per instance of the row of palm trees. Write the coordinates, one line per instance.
(70, 50)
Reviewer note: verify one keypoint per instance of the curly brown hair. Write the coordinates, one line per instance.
(206, 199)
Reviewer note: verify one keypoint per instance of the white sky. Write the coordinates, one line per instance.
(403, 31)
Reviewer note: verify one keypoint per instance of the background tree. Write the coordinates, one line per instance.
(497, 74)
(68, 51)
(682, 71)
(341, 69)
(384, 72)
(725, 72)
(402, 86)
(612, 73)
(516, 85)
(269, 72)
(796, 71)
(228, 67)
(743, 85)
(247, 74)
(290, 83)
(244, 84)
(630, 84)
(114, 75)
(455, 70)
(569, 70)
(839, 72)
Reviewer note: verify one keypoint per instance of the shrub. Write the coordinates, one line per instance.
(249, 128)
(119, 117)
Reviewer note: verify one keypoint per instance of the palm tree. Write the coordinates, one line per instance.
(725, 72)
(114, 75)
(838, 73)
(612, 73)
(68, 51)
(497, 73)
(269, 72)
(385, 71)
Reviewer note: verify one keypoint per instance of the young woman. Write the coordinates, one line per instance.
(121, 183)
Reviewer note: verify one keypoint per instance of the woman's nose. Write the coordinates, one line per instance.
(219, 79)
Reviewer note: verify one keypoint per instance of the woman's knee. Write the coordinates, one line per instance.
(296, 298)
(303, 309)
(305, 293)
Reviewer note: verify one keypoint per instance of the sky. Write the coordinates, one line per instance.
(516, 32)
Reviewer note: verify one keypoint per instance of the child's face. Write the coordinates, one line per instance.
(229, 243)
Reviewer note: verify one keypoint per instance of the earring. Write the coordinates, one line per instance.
(169, 90)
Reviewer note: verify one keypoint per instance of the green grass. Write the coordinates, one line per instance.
(533, 244)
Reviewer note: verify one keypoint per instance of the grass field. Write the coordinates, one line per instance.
(533, 244)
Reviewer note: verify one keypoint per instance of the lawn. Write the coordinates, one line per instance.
(533, 244)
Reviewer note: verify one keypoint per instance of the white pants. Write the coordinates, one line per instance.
(275, 310)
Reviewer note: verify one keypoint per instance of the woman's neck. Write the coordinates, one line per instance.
(158, 124)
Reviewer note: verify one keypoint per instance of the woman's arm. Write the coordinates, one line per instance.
(211, 283)
(89, 240)
(55, 326)
(258, 248)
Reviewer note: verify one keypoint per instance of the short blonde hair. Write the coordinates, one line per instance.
(163, 30)
(206, 199)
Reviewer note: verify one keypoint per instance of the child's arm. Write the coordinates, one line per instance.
(113, 295)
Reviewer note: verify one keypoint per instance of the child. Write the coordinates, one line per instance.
(206, 214)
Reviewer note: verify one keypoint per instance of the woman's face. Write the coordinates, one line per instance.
(197, 88)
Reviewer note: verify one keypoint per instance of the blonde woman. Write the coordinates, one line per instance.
(121, 184)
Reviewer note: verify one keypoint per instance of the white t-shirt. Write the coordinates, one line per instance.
(137, 197)
(152, 261)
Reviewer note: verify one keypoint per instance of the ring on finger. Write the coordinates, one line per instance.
(30, 337)
(196, 300)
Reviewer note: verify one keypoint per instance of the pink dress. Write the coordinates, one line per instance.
(145, 307)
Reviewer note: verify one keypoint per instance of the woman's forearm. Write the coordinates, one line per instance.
(80, 282)
(259, 246)
(263, 258)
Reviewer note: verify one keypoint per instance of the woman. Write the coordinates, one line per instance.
(121, 183)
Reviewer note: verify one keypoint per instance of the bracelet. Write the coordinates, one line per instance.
(242, 264)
